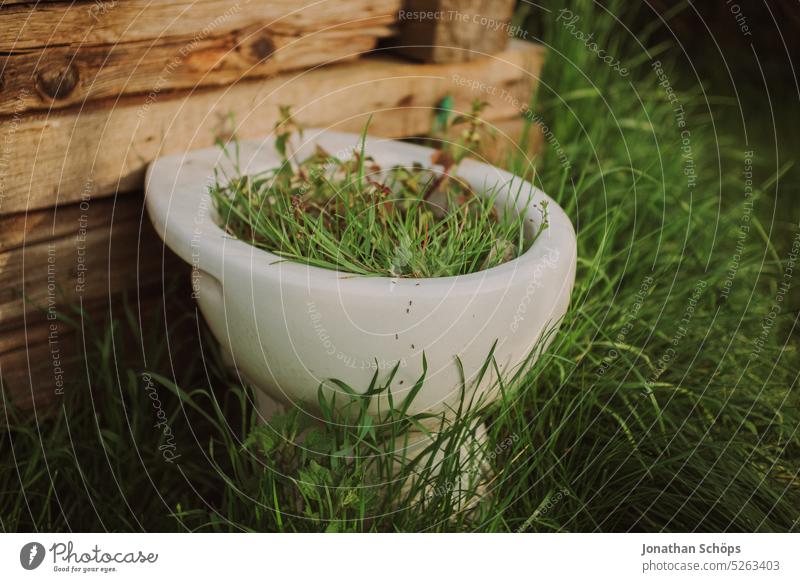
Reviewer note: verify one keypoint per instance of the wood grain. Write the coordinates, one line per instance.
(452, 31)
(58, 158)
(90, 254)
(88, 251)
(37, 25)
(63, 76)
(41, 362)
(32, 373)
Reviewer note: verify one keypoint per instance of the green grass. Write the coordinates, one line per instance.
(667, 401)
(353, 216)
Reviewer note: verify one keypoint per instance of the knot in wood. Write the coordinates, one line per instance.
(57, 81)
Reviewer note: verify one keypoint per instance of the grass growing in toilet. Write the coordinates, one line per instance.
(352, 215)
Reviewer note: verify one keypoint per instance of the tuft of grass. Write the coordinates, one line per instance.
(667, 401)
(351, 215)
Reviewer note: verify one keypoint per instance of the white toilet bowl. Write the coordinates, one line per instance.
(288, 327)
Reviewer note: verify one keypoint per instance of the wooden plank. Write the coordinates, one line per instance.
(89, 251)
(59, 158)
(12, 2)
(62, 76)
(41, 361)
(33, 374)
(114, 21)
(452, 31)
(86, 254)
(50, 224)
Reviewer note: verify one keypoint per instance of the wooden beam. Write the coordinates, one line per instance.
(88, 252)
(453, 31)
(51, 24)
(42, 361)
(60, 158)
(58, 77)
(32, 369)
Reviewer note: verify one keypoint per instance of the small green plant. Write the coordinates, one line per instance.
(352, 215)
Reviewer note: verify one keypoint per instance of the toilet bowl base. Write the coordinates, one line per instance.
(466, 488)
